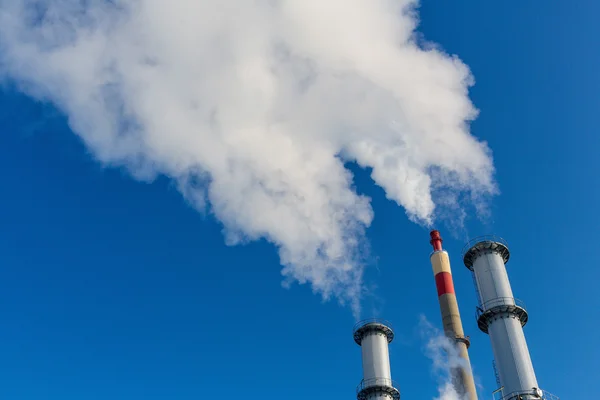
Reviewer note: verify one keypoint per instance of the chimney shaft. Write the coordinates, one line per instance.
(436, 240)
(373, 336)
(462, 376)
(502, 317)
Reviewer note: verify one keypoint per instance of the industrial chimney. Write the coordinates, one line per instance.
(502, 317)
(462, 376)
(374, 336)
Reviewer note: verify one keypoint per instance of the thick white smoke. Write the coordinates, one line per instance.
(254, 106)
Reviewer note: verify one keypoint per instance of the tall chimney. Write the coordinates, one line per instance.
(502, 317)
(374, 336)
(462, 376)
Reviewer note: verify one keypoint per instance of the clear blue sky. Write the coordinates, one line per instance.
(115, 289)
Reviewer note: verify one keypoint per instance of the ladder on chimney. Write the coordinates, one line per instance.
(496, 373)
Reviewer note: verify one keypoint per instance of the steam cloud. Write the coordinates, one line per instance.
(253, 107)
(445, 356)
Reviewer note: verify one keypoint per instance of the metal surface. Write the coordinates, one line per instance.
(374, 335)
(501, 315)
(372, 324)
(372, 388)
(376, 357)
(483, 245)
(462, 375)
(490, 275)
(534, 393)
(503, 307)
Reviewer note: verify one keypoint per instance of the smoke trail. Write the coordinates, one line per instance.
(447, 392)
(445, 356)
(253, 107)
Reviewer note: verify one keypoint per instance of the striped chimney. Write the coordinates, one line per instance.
(462, 376)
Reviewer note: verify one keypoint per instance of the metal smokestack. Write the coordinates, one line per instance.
(462, 376)
(374, 336)
(502, 317)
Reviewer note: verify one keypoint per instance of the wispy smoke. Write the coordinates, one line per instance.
(447, 392)
(253, 107)
(444, 356)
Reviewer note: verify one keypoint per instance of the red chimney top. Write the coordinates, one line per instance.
(436, 240)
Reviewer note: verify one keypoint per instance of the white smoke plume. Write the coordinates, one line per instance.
(444, 356)
(447, 392)
(253, 108)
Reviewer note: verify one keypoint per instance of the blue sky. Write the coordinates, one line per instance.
(112, 288)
